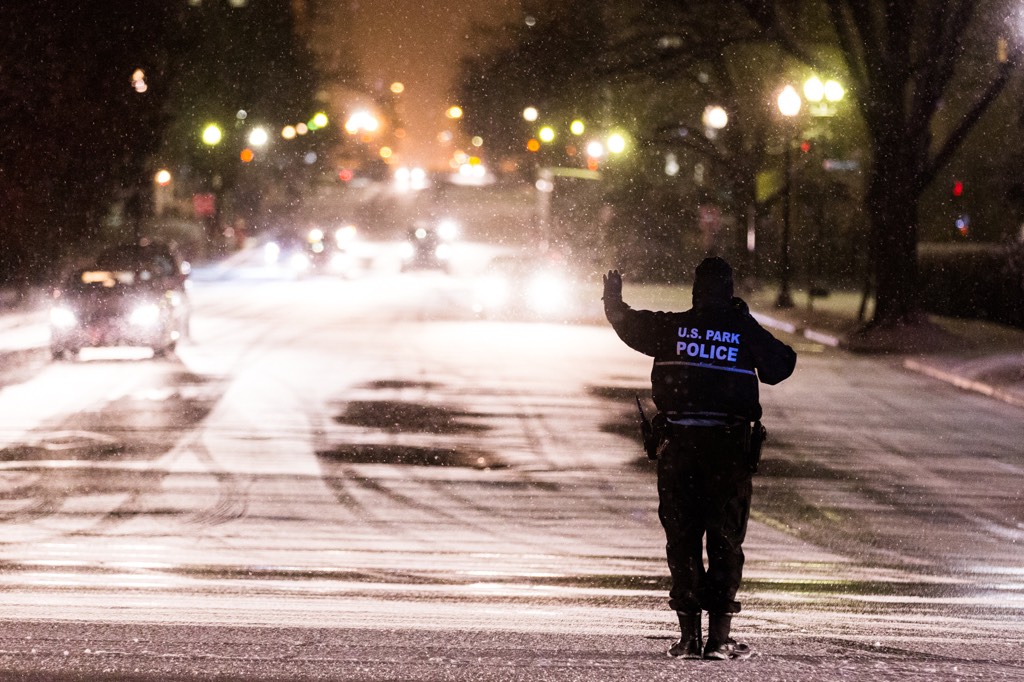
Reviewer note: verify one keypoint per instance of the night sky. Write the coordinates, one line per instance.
(419, 42)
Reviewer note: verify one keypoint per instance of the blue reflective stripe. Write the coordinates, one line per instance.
(705, 366)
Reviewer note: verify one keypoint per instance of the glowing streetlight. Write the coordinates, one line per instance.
(577, 127)
(715, 117)
(454, 112)
(530, 114)
(258, 136)
(212, 135)
(616, 143)
(546, 134)
(789, 102)
(162, 177)
(288, 132)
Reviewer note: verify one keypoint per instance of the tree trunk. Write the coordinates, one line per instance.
(892, 211)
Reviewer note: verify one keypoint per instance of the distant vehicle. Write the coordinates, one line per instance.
(130, 295)
(314, 251)
(526, 287)
(429, 247)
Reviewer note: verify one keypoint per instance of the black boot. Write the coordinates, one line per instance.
(690, 641)
(721, 646)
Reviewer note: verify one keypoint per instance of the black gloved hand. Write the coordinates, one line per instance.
(612, 286)
(739, 305)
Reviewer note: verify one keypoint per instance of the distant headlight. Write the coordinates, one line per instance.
(298, 261)
(493, 291)
(443, 251)
(62, 318)
(145, 315)
(271, 252)
(547, 293)
(407, 250)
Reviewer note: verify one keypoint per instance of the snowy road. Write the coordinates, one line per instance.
(356, 479)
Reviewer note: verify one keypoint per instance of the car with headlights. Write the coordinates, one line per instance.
(525, 286)
(130, 295)
(429, 247)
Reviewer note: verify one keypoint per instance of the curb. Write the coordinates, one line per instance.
(964, 383)
(809, 334)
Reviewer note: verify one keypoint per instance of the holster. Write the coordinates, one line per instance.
(654, 435)
(758, 435)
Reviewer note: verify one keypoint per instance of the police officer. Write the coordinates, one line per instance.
(707, 364)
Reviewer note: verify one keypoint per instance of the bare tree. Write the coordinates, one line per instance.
(922, 72)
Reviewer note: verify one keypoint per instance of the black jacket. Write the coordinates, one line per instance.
(707, 360)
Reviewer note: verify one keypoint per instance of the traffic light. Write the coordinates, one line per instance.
(962, 222)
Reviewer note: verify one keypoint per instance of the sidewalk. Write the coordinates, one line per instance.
(974, 355)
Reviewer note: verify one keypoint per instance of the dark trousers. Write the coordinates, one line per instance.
(704, 489)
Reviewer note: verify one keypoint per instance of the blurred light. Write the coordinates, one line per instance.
(421, 233)
(241, 114)
(320, 119)
(530, 114)
(595, 149)
(715, 117)
(543, 185)
(477, 141)
(301, 128)
(361, 121)
(246, 155)
(271, 252)
(139, 81)
(448, 229)
(345, 174)
(546, 134)
(533, 145)
(345, 235)
(385, 152)
(316, 235)
(789, 101)
(163, 177)
(958, 188)
(616, 143)
(62, 317)
(454, 112)
(577, 127)
(212, 134)
(288, 132)
(258, 137)
(671, 165)
(145, 315)
(397, 88)
(834, 91)
(310, 158)
(530, 20)
(547, 293)
(814, 89)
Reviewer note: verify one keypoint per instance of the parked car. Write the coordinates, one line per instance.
(130, 295)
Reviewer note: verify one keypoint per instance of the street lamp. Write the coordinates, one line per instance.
(789, 106)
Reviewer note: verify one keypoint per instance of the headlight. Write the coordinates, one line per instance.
(298, 261)
(271, 252)
(443, 251)
(145, 315)
(345, 235)
(62, 317)
(407, 250)
(547, 293)
(493, 291)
